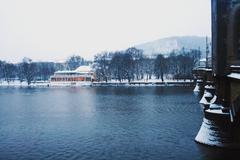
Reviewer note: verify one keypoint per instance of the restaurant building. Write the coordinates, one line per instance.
(82, 75)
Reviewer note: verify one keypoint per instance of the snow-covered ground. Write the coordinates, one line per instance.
(146, 81)
(150, 82)
(17, 83)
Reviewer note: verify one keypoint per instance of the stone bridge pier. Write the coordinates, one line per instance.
(221, 85)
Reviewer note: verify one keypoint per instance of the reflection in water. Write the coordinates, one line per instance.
(101, 123)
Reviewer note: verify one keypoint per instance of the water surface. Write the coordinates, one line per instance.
(108, 123)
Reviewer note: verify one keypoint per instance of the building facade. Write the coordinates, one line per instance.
(82, 75)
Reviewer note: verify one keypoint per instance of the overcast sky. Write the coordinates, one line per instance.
(56, 29)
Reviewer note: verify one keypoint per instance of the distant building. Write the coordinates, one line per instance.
(79, 76)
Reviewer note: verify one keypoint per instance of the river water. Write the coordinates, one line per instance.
(107, 123)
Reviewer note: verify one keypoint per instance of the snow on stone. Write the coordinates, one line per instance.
(217, 111)
(197, 88)
(209, 87)
(234, 75)
(213, 100)
(205, 95)
(207, 135)
(215, 106)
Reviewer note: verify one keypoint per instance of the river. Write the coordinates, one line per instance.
(102, 123)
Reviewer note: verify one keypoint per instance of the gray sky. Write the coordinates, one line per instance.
(56, 29)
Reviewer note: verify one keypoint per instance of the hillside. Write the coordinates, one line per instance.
(166, 45)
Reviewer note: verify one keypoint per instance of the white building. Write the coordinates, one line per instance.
(83, 75)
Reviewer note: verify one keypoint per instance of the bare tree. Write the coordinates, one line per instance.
(74, 62)
(160, 66)
(9, 71)
(148, 67)
(128, 66)
(116, 66)
(102, 66)
(28, 70)
(2, 63)
(44, 70)
(138, 61)
(20, 74)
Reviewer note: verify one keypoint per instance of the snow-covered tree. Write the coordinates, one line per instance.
(28, 70)
(9, 71)
(102, 66)
(74, 62)
(160, 66)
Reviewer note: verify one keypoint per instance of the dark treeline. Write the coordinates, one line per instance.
(129, 65)
(29, 71)
(132, 64)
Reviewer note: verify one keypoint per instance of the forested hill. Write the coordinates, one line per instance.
(166, 45)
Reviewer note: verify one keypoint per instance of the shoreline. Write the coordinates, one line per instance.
(138, 84)
(47, 84)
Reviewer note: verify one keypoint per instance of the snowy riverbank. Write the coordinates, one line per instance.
(24, 84)
(153, 82)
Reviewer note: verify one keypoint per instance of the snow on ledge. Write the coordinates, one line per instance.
(234, 75)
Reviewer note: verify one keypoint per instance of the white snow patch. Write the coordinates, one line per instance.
(197, 88)
(209, 87)
(207, 135)
(234, 75)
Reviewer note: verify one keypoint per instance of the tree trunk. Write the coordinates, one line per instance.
(28, 82)
(162, 77)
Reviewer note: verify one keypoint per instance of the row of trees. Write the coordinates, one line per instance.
(132, 64)
(129, 65)
(28, 70)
